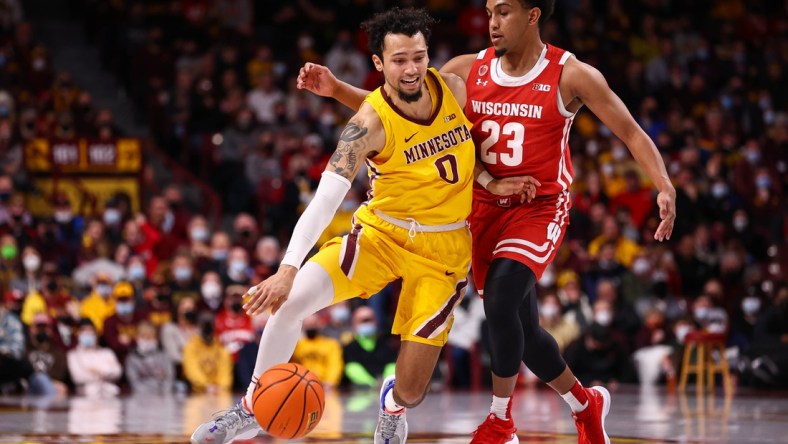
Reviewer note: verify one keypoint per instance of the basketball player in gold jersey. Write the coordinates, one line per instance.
(416, 142)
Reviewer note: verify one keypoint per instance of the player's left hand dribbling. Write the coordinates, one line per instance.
(270, 293)
(666, 200)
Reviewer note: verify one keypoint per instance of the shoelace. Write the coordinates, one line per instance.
(415, 227)
(388, 425)
(229, 418)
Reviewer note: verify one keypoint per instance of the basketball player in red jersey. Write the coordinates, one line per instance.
(522, 98)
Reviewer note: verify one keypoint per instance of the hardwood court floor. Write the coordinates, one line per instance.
(638, 415)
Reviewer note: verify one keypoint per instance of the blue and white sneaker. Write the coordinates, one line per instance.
(229, 425)
(392, 428)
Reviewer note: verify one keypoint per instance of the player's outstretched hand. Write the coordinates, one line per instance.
(270, 293)
(525, 186)
(317, 79)
(666, 200)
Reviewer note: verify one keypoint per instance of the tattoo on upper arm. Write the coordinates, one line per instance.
(352, 132)
(345, 158)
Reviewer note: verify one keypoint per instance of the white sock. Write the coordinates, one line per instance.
(312, 291)
(574, 404)
(391, 405)
(499, 406)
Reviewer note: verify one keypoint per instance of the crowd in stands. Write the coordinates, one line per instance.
(151, 301)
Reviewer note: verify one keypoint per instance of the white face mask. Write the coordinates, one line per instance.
(31, 262)
(641, 266)
(751, 305)
(701, 313)
(603, 318)
(147, 345)
(681, 332)
(547, 279)
(211, 290)
(549, 311)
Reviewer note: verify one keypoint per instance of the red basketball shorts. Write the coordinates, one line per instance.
(529, 233)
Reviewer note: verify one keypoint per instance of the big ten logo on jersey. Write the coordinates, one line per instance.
(450, 117)
(541, 87)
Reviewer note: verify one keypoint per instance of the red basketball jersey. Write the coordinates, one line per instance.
(520, 124)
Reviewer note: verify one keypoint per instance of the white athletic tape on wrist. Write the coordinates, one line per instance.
(484, 179)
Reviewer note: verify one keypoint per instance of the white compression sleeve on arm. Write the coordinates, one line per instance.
(316, 217)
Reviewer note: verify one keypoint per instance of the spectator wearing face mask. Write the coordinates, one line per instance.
(563, 328)
(319, 353)
(596, 358)
(246, 232)
(121, 328)
(157, 308)
(653, 349)
(148, 368)
(238, 270)
(45, 355)
(50, 297)
(99, 304)
(207, 365)
(175, 335)
(212, 292)
(339, 326)
(183, 284)
(113, 221)
(266, 258)
(220, 249)
(233, 326)
(199, 236)
(30, 279)
(369, 358)
(575, 302)
(604, 314)
(68, 227)
(746, 317)
(707, 316)
(136, 275)
(93, 369)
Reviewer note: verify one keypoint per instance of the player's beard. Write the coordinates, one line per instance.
(409, 98)
(499, 52)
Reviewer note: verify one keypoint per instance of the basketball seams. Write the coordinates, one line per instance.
(280, 399)
(303, 410)
(317, 396)
(284, 401)
(259, 393)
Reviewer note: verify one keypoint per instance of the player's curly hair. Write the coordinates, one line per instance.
(407, 21)
(547, 7)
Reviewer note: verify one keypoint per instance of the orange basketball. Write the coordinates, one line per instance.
(288, 401)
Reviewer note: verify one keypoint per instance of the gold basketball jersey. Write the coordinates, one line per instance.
(425, 169)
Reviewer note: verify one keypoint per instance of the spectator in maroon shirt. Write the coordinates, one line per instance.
(120, 328)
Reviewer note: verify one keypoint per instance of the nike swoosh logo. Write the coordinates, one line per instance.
(408, 138)
(449, 273)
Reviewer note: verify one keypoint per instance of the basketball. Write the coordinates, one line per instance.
(288, 401)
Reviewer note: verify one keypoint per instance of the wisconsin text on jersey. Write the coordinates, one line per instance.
(437, 144)
(507, 109)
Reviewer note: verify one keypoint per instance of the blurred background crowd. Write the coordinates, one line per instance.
(144, 293)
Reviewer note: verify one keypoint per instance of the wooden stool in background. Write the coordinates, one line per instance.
(705, 366)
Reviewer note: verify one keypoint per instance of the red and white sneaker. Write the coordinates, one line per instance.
(495, 430)
(591, 421)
